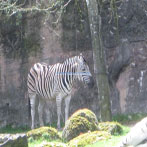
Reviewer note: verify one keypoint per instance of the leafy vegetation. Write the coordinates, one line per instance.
(18, 37)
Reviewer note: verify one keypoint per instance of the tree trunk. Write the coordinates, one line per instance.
(99, 60)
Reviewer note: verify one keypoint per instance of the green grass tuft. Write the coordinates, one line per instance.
(128, 118)
(10, 130)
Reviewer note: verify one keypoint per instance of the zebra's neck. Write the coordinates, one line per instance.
(70, 75)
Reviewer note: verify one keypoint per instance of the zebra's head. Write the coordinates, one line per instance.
(83, 72)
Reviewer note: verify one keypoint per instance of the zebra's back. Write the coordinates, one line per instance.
(47, 80)
(38, 80)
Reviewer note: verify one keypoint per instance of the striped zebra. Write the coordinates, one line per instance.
(56, 82)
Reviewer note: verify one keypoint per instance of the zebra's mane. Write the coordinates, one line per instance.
(71, 60)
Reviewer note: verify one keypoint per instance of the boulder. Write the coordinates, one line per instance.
(43, 132)
(81, 121)
(13, 140)
(89, 138)
(114, 128)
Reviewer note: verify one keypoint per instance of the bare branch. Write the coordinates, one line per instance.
(62, 9)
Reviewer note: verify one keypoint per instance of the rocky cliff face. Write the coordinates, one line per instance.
(35, 40)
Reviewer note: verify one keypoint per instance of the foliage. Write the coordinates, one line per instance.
(46, 133)
(89, 138)
(15, 18)
(13, 7)
(114, 128)
(81, 121)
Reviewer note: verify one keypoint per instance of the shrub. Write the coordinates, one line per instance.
(81, 121)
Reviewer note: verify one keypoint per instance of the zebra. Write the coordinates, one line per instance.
(56, 82)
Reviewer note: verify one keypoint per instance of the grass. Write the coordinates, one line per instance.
(38, 142)
(126, 120)
(10, 130)
(129, 118)
(35, 143)
(111, 142)
(107, 143)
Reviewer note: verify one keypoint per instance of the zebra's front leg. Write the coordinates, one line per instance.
(40, 111)
(67, 103)
(32, 103)
(47, 113)
(58, 102)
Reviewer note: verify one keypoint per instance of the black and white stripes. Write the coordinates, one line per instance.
(55, 82)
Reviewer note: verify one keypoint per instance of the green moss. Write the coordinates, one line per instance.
(80, 122)
(114, 128)
(89, 115)
(43, 132)
(89, 138)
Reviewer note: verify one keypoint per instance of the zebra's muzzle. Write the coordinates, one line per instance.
(91, 83)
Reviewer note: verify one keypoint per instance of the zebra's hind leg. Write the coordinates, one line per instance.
(67, 103)
(40, 111)
(32, 103)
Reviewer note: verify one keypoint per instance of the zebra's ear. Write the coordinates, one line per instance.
(80, 60)
(81, 54)
(83, 59)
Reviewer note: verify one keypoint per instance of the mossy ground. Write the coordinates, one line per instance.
(113, 141)
(43, 132)
(89, 138)
(81, 121)
(103, 143)
(114, 128)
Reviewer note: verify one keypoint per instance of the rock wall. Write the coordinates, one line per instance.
(125, 43)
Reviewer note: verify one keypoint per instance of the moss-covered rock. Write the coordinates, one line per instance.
(81, 121)
(52, 144)
(13, 140)
(43, 132)
(89, 138)
(114, 128)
